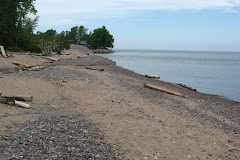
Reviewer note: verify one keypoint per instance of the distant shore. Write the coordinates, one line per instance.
(134, 122)
(102, 51)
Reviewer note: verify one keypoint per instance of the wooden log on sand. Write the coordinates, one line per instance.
(51, 58)
(185, 86)
(13, 102)
(95, 68)
(20, 98)
(36, 68)
(152, 76)
(163, 90)
(21, 64)
(3, 52)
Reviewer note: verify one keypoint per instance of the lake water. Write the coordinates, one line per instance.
(209, 72)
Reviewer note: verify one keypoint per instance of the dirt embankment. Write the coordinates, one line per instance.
(112, 113)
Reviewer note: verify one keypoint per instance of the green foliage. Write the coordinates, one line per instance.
(101, 38)
(77, 34)
(45, 42)
(16, 29)
(52, 42)
(73, 35)
(60, 43)
(51, 32)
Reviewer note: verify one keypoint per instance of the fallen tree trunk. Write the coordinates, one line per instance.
(36, 68)
(3, 52)
(13, 102)
(20, 98)
(51, 58)
(95, 68)
(163, 90)
(152, 76)
(81, 56)
(185, 86)
(21, 64)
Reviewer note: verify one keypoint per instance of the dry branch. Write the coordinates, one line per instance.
(95, 68)
(21, 64)
(11, 101)
(163, 90)
(51, 58)
(3, 52)
(20, 98)
(185, 86)
(152, 76)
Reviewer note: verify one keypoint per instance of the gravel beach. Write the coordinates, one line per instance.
(78, 113)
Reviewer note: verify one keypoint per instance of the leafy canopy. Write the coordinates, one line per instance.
(101, 38)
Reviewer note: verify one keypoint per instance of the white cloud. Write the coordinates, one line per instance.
(97, 6)
(63, 9)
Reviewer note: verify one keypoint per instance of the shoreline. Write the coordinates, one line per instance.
(141, 122)
(210, 81)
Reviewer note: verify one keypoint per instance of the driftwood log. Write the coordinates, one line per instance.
(51, 58)
(185, 86)
(163, 90)
(3, 52)
(81, 56)
(152, 76)
(95, 68)
(19, 98)
(21, 64)
(10, 101)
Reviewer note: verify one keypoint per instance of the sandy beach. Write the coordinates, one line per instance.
(109, 113)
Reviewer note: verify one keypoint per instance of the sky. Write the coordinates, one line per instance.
(195, 25)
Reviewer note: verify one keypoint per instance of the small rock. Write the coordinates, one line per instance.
(230, 141)
(195, 134)
(85, 131)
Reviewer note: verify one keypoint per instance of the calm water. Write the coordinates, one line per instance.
(209, 72)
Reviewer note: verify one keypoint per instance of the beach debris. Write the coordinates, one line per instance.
(21, 64)
(16, 101)
(94, 68)
(185, 86)
(3, 52)
(36, 68)
(81, 56)
(24, 67)
(163, 90)
(152, 76)
(20, 98)
(51, 58)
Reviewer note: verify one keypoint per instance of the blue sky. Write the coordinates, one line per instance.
(209, 25)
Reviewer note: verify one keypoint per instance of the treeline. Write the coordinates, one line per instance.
(17, 31)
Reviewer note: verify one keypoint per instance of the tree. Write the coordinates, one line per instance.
(45, 42)
(51, 41)
(82, 34)
(13, 19)
(51, 32)
(60, 43)
(73, 35)
(101, 38)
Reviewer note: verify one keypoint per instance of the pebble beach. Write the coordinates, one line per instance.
(79, 113)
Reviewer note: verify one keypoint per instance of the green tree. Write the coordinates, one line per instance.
(73, 35)
(82, 34)
(45, 42)
(51, 32)
(13, 17)
(60, 43)
(101, 38)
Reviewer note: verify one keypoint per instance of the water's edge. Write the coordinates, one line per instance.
(209, 72)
